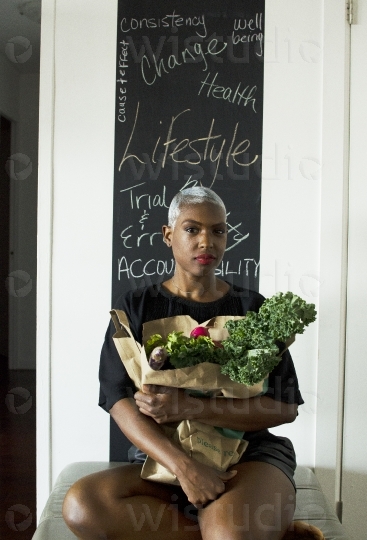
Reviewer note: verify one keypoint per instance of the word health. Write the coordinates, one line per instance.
(238, 96)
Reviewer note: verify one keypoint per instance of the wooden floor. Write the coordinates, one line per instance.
(17, 454)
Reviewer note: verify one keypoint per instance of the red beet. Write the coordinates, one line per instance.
(199, 331)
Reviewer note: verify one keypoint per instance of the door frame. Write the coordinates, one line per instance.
(44, 253)
(333, 249)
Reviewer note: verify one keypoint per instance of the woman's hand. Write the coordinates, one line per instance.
(203, 484)
(166, 404)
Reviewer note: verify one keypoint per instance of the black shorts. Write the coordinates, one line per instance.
(263, 446)
(269, 448)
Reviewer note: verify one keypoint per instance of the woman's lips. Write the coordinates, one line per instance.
(205, 259)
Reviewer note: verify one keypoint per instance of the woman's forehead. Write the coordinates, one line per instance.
(200, 212)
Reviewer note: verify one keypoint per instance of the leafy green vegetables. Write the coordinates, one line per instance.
(184, 351)
(252, 349)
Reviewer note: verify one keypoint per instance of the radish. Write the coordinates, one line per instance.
(199, 331)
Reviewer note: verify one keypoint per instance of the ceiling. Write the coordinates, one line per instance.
(20, 33)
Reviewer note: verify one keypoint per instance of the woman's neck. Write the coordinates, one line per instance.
(197, 290)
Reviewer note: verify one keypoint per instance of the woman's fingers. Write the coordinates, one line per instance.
(228, 475)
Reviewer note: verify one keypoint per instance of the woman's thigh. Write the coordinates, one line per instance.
(258, 504)
(122, 482)
(118, 503)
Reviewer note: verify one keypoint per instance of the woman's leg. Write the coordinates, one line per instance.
(117, 504)
(258, 504)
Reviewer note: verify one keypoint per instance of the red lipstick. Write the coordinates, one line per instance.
(205, 258)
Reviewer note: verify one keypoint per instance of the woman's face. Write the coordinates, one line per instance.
(198, 238)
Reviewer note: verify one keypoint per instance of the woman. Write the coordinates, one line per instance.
(255, 498)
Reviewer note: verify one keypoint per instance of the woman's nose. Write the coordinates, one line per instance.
(206, 239)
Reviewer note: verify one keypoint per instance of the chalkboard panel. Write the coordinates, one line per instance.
(189, 109)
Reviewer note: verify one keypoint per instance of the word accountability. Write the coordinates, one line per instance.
(192, 151)
(141, 268)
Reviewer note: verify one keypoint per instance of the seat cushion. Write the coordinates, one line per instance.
(311, 505)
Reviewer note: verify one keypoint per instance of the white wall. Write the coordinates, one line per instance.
(82, 220)
(290, 205)
(75, 208)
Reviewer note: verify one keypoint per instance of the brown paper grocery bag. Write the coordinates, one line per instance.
(202, 442)
(204, 377)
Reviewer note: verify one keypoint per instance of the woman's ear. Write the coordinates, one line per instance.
(167, 235)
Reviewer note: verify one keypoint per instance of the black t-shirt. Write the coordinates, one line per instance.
(156, 302)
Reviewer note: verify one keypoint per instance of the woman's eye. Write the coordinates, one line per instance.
(220, 231)
(191, 230)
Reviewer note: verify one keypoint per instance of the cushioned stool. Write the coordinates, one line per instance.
(311, 503)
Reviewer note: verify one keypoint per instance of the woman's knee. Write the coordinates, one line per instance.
(78, 506)
(91, 500)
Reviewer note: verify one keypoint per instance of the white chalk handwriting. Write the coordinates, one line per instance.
(202, 148)
(172, 20)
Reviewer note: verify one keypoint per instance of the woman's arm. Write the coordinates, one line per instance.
(200, 483)
(165, 404)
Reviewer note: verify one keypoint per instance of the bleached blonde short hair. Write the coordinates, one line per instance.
(193, 195)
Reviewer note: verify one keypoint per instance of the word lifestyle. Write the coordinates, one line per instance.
(192, 151)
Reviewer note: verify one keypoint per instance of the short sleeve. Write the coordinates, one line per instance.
(283, 382)
(115, 383)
